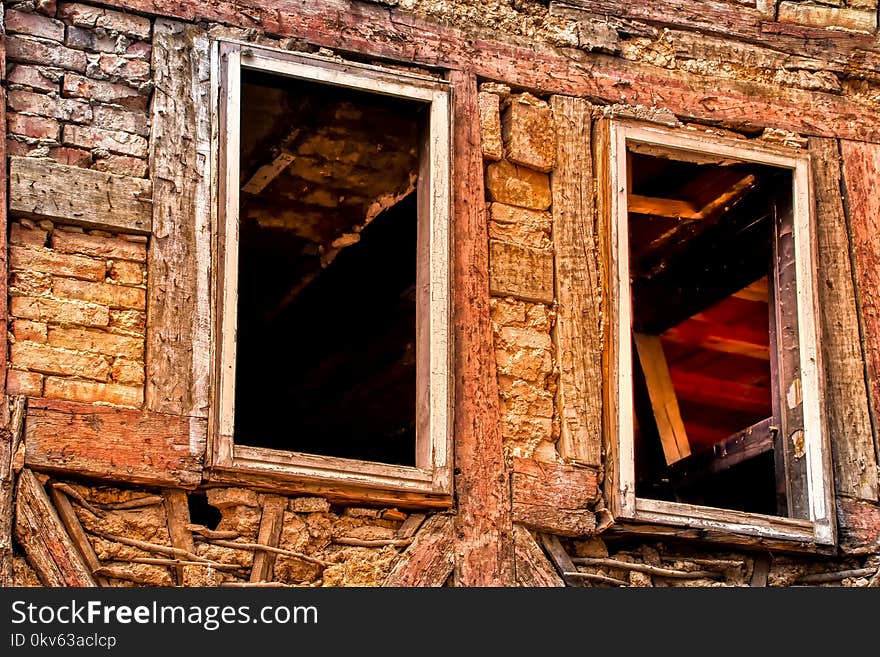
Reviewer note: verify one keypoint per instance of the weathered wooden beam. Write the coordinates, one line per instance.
(76, 532)
(561, 561)
(532, 566)
(861, 168)
(703, 389)
(39, 531)
(282, 157)
(428, 561)
(553, 497)
(484, 529)
(271, 524)
(179, 258)
(4, 255)
(123, 445)
(742, 446)
(662, 207)
(45, 189)
(177, 520)
(858, 526)
(521, 272)
(670, 426)
(10, 435)
(756, 291)
(728, 197)
(578, 277)
(846, 393)
(724, 338)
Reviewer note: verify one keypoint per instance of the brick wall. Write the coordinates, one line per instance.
(78, 92)
(77, 302)
(79, 86)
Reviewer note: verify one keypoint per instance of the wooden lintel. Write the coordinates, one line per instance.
(271, 524)
(554, 498)
(38, 529)
(45, 189)
(428, 561)
(533, 568)
(115, 444)
(664, 402)
(662, 207)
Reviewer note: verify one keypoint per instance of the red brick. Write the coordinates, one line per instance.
(132, 321)
(40, 51)
(22, 236)
(85, 39)
(114, 66)
(37, 127)
(103, 91)
(127, 273)
(57, 263)
(36, 77)
(114, 141)
(34, 24)
(51, 360)
(59, 310)
(47, 7)
(89, 391)
(106, 294)
(25, 329)
(65, 109)
(127, 371)
(14, 147)
(123, 165)
(88, 16)
(75, 157)
(24, 383)
(29, 283)
(140, 49)
(98, 246)
(95, 341)
(115, 118)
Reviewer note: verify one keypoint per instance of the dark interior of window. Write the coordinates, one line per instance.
(326, 342)
(703, 254)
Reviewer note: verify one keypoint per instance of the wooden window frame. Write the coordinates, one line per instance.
(431, 475)
(620, 482)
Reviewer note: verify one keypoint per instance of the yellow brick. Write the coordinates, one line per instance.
(24, 383)
(51, 360)
(25, 329)
(107, 294)
(96, 341)
(127, 273)
(98, 246)
(59, 310)
(60, 264)
(89, 391)
(133, 321)
(127, 371)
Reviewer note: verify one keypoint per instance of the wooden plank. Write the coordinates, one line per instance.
(484, 529)
(177, 519)
(410, 526)
(579, 286)
(394, 34)
(662, 207)
(846, 393)
(664, 402)
(532, 566)
(271, 524)
(135, 447)
(179, 258)
(562, 522)
(705, 389)
(39, 531)
(561, 561)
(723, 338)
(861, 167)
(788, 380)
(553, 484)
(742, 446)
(428, 561)
(42, 188)
(520, 271)
(10, 436)
(858, 524)
(76, 532)
(4, 255)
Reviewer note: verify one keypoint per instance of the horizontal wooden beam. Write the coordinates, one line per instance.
(725, 338)
(395, 34)
(553, 497)
(114, 444)
(719, 393)
(662, 207)
(858, 525)
(44, 189)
